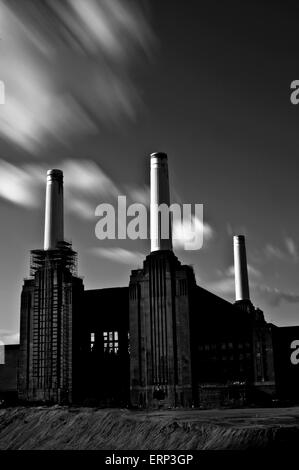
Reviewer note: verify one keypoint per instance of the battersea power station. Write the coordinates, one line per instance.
(161, 341)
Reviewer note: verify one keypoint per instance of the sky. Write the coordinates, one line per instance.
(93, 87)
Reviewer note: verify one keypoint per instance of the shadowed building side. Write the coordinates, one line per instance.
(106, 368)
(226, 367)
(9, 356)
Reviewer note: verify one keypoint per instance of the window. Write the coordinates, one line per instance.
(92, 341)
(111, 341)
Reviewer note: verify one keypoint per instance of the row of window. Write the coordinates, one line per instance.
(110, 341)
(240, 357)
(223, 346)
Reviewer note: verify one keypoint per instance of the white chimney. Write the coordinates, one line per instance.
(54, 210)
(160, 195)
(241, 274)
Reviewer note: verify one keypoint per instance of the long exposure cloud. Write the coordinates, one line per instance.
(67, 66)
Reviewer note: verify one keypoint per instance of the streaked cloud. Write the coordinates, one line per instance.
(274, 252)
(274, 296)
(288, 252)
(67, 67)
(253, 272)
(291, 247)
(17, 185)
(85, 184)
(226, 284)
(120, 255)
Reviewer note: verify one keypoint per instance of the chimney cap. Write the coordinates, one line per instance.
(159, 155)
(240, 238)
(55, 174)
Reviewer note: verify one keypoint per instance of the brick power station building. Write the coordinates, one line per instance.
(161, 341)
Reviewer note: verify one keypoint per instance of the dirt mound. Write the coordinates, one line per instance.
(87, 428)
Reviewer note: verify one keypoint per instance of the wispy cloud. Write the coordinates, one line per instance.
(17, 185)
(120, 255)
(271, 295)
(274, 252)
(291, 247)
(67, 67)
(287, 253)
(85, 183)
(253, 272)
(274, 297)
(226, 284)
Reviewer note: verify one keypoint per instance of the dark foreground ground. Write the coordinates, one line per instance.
(111, 429)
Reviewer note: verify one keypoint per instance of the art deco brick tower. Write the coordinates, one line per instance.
(50, 302)
(160, 352)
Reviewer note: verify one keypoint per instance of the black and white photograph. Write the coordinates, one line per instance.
(149, 235)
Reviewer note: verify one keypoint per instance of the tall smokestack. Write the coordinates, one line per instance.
(241, 274)
(159, 195)
(54, 210)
